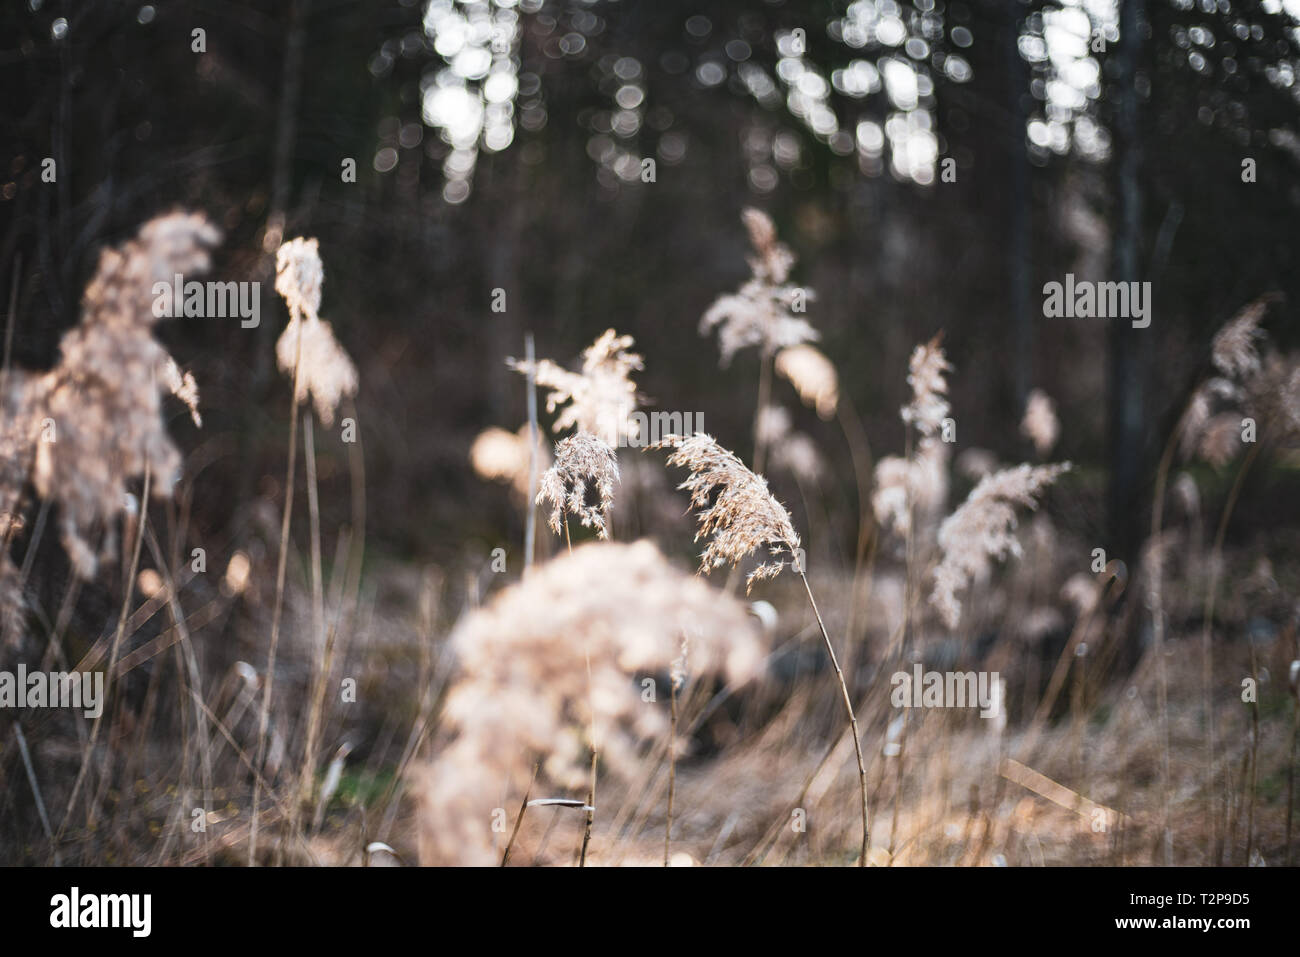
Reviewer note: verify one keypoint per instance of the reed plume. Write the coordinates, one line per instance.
(919, 480)
(813, 377)
(927, 375)
(307, 351)
(1245, 383)
(982, 529)
(1040, 425)
(502, 456)
(1234, 351)
(738, 515)
(521, 690)
(96, 418)
(743, 516)
(762, 311)
(583, 463)
(601, 397)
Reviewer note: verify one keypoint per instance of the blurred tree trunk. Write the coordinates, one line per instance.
(1019, 209)
(1129, 347)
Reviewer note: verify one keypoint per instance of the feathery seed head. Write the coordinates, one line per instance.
(96, 417)
(1234, 351)
(813, 377)
(929, 405)
(906, 488)
(772, 259)
(183, 386)
(324, 369)
(601, 398)
(1219, 439)
(299, 274)
(982, 529)
(1247, 384)
(582, 462)
(736, 512)
(503, 456)
(760, 313)
(1040, 424)
(521, 687)
(121, 291)
(1271, 396)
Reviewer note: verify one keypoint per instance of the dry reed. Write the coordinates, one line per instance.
(738, 515)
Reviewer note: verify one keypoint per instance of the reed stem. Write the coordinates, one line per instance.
(853, 721)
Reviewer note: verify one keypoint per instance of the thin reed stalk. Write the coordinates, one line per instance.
(853, 721)
(40, 802)
(519, 818)
(591, 705)
(672, 767)
(591, 810)
(264, 715)
(320, 654)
